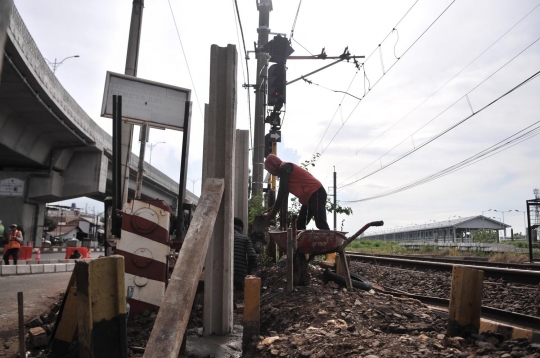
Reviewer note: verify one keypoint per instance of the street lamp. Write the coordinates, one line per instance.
(504, 226)
(152, 145)
(524, 223)
(425, 227)
(194, 181)
(56, 64)
(485, 211)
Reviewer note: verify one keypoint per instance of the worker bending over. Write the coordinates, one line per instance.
(298, 181)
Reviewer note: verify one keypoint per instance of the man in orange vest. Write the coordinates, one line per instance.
(298, 181)
(14, 244)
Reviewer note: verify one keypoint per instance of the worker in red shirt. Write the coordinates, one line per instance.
(14, 244)
(298, 181)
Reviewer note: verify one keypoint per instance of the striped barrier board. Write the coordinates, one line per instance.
(145, 246)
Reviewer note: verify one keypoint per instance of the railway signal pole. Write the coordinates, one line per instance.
(264, 7)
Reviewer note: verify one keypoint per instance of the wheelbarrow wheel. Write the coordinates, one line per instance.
(357, 280)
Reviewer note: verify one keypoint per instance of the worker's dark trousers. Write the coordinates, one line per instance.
(316, 208)
(14, 253)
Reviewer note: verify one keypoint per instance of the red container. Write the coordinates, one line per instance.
(25, 253)
(82, 251)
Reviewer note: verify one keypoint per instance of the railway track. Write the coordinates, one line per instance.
(510, 295)
(491, 313)
(475, 261)
(527, 274)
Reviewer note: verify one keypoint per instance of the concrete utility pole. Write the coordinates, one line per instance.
(335, 199)
(264, 7)
(132, 60)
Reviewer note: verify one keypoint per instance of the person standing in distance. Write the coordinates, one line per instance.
(245, 258)
(298, 181)
(14, 244)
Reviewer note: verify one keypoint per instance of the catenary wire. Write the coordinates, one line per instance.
(444, 131)
(247, 68)
(486, 153)
(447, 108)
(388, 70)
(447, 82)
(294, 23)
(185, 59)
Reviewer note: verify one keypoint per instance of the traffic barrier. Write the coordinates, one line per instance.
(25, 253)
(82, 250)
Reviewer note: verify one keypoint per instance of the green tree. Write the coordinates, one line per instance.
(50, 222)
(486, 236)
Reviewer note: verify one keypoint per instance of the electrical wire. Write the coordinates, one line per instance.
(294, 23)
(486, 153)
(185, 59)
(303, 47)
(237, 17)
(447, 108)
(444, 131)
(388, 70)
(447, 82)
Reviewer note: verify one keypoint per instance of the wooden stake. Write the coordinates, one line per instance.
(20, 302)
(465, 301)
(344, 264)
(290, 261)
(252, 308)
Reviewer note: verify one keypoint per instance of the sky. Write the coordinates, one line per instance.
(429, 65)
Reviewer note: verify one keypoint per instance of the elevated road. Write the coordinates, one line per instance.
(49, 147)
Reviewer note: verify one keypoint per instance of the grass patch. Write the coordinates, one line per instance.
(509, 257)
(377, 247)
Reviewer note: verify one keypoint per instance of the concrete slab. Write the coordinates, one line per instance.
(49, 268)
(64, 261)
(32, 262)
(36, 268)
(9, 270)
(54, 261)
(23, 269)
(229, 345)
(70, 266)
(59, 267)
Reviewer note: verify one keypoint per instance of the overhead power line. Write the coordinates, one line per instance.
(387, 70)
(447, 108)
(247, 68)
(486, 153)
(294, 23)
(444, 131)
(185, 59)
(441, 87)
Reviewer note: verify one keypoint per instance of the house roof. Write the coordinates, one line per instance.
(63, 229)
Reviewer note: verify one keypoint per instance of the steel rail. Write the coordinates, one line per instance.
(495, 314)
(461, 261)
(511, 275)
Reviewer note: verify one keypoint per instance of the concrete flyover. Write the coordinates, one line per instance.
(50, 149)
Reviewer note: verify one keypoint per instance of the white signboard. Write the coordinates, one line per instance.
(157, 104)
(11, 187)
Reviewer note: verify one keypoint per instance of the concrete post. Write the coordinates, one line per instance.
(241, 172)
(219, 162)
(132, 61)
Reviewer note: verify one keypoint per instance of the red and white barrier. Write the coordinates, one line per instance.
(144, 244)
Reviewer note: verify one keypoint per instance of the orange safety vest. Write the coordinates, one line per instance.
(13, 243)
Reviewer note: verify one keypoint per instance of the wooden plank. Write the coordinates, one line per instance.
(465, 301)
(345, 266)
(173, 316)
(290, 260)
(252, 309)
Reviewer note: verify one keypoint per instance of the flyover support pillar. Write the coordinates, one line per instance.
(219, 162)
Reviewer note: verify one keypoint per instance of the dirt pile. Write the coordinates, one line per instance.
(325, 320)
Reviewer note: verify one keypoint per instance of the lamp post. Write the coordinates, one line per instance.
(524, 223)
(194, 181)
(504, 226)
(56, 64)
(485, 211)
(152, 145)
(499, 219)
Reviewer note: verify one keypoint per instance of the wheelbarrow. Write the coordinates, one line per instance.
(303, 246)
